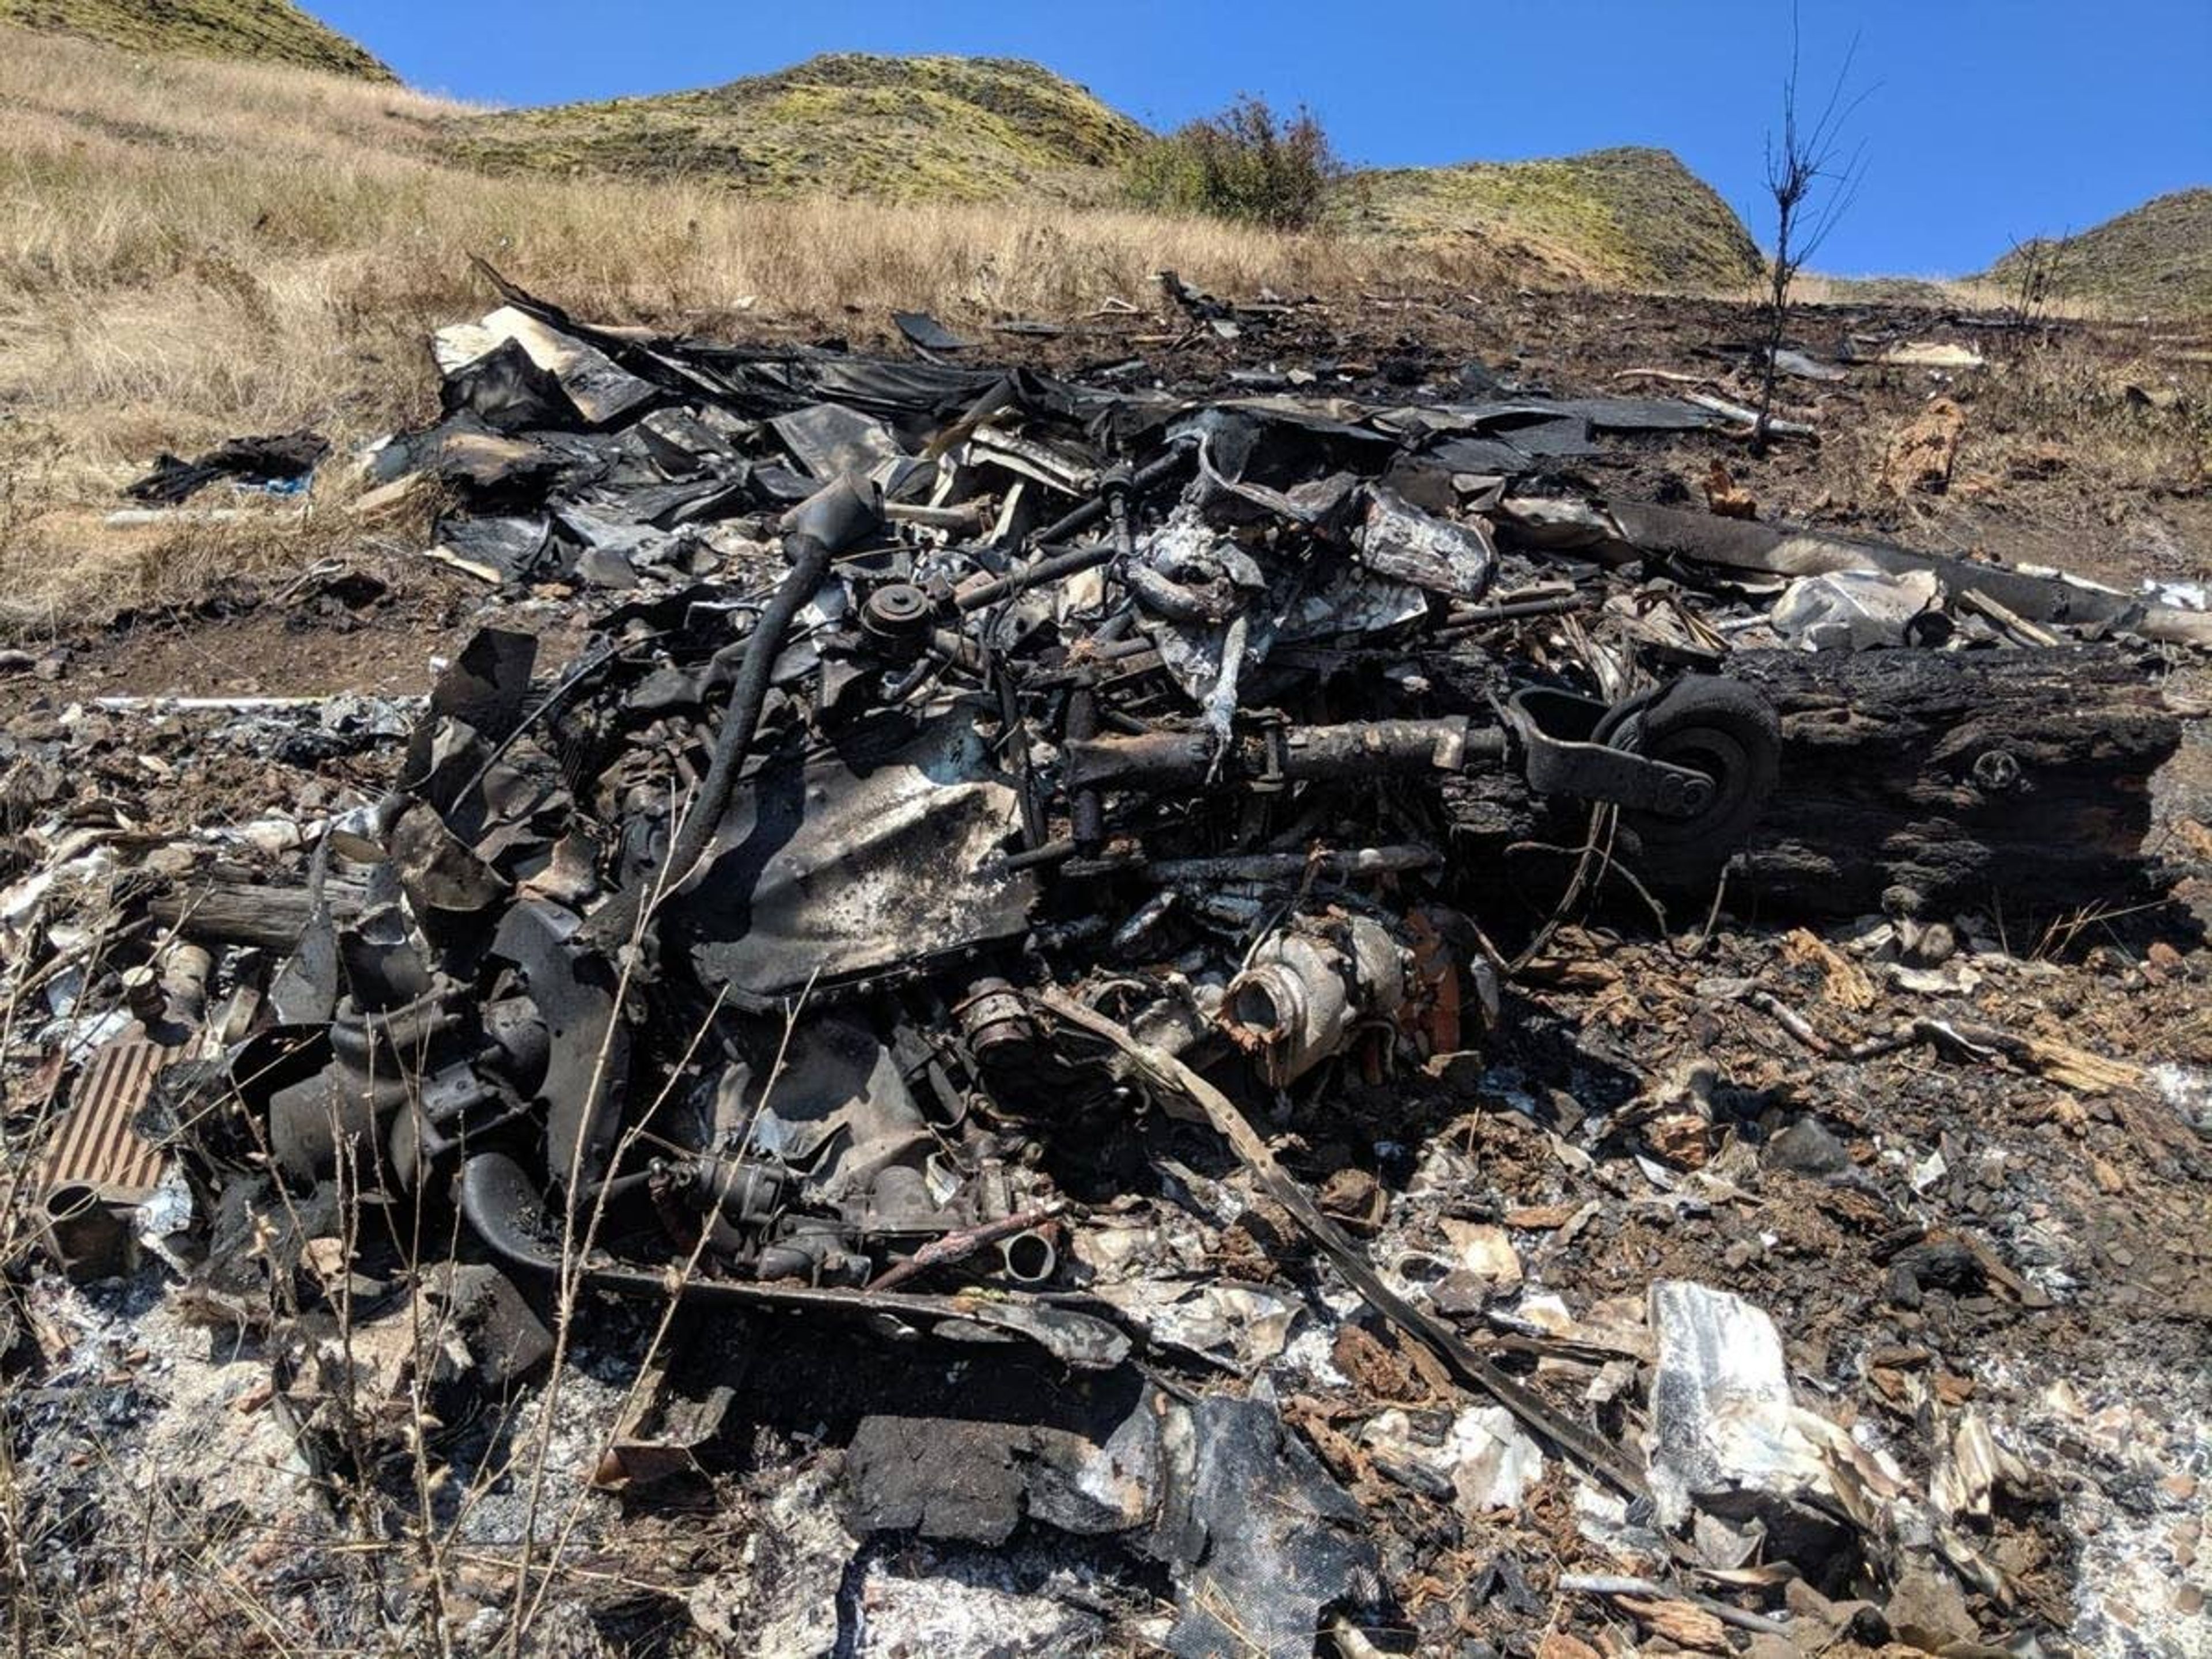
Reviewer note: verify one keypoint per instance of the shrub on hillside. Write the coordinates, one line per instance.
(1247, 163)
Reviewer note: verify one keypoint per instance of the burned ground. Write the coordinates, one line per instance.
(1950, 1143)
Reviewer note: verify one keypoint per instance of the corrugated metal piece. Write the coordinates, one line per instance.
(94, 1144)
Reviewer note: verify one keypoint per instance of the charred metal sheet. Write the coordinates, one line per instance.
(507, 391)
(884, 853)
(1454, 560)
(503, 549)
(1262, 1540)
(487, 683)
(588, 1065)
(830, 441)
(599, 391)
(925, 332)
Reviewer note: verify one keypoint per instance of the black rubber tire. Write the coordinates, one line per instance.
(1720, 727)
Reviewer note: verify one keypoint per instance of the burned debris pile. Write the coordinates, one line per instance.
(987, 811)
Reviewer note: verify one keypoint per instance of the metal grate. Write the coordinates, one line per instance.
(95, 1144)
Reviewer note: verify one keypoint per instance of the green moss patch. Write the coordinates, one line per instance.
(1630, 216)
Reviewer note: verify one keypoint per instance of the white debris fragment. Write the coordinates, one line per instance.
(968, 1609)
(784, 1597)
(1486, 1251)
(2143, 1580)
(1929, 1170)
(2188, 1091)
(1930, 354)
(1974, 1467)
(1852, 609)
(1602, 1517)
(2180, 596)
(1725, 1428)
(1237, 1327)
(1490, 1464)
(1308, 1360)
(1493, 1463)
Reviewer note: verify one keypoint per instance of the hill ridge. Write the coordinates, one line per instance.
(1639, 211)
(261, 31)
(927, 126)
(2154, 258)
(945, 126)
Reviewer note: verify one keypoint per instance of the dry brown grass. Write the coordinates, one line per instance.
(2118, 409)
(191, 250)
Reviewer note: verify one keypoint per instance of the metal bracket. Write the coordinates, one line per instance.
(1560, 756)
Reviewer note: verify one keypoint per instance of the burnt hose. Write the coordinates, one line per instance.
(834, 518)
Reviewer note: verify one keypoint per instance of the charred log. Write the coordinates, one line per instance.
(234, 912)
(2013, 777)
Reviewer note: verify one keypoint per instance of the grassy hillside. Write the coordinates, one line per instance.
(260, 31)
(1638, 217)
(190, 249)
(903, 129)
(987, 128)
(193, 248)
(2155, 259)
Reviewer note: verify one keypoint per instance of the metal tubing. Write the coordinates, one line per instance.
(1068, 561)
(1177, 759)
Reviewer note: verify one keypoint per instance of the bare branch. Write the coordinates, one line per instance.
(1813, 183)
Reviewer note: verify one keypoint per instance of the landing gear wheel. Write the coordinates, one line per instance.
(1718, 726)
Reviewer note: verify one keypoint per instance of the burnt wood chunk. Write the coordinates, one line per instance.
(2019, 778)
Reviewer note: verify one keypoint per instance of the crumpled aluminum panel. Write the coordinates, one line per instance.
(885, 854)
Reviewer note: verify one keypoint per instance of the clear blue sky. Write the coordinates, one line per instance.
(1988, 119)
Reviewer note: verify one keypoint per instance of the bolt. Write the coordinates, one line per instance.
(1994, 769)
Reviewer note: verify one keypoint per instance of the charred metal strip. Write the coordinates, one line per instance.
(1029, 458)
(1053, 851)
(1051, 567)
(965, 519)
(1086, 808)
(1290, 866)
(1112, 659)
(1157, 471)
(1069, 561)
(1016, 739)
(1478, 617)
(1160, 1069)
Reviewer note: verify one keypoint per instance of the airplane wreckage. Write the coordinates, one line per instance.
(977, 788)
